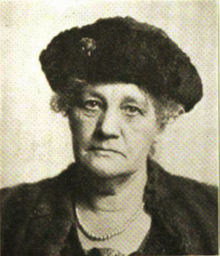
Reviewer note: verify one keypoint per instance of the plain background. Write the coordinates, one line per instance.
(36, 143)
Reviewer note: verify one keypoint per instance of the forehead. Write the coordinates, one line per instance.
(117, 91)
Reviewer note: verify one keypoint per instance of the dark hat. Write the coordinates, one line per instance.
(122, 50)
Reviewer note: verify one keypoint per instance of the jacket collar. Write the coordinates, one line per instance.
(52, 222)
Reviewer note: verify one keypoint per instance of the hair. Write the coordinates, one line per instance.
(166, 109)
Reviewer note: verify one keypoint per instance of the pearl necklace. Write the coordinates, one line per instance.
(118, 231)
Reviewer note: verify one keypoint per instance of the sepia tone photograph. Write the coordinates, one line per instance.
(109, 128)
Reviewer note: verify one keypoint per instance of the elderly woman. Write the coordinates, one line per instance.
(119, 82)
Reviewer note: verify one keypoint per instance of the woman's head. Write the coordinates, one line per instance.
(119, 55)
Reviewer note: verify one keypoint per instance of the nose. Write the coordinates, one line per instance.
(109, 124)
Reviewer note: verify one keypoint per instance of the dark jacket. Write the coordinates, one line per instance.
(38, 219)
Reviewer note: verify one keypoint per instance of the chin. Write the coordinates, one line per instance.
(106, 168)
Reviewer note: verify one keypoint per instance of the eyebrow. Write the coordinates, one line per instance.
(96, 94)
(131, 99)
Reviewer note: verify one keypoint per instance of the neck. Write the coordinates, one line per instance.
(113, 194)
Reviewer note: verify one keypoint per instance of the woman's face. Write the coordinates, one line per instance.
(113, 127)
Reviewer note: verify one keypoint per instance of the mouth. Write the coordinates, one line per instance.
(101, 149)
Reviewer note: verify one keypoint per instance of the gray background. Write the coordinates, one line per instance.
(36, 142)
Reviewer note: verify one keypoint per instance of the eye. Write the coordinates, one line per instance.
(92, 105)
(132, 110)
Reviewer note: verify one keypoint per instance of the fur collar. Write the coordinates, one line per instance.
(181, 225)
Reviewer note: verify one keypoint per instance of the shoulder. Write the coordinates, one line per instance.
(20, 200)
(184, 193)
(182, 188)
(22, 195)
(28, 211)
(187, 208)
(17, 202)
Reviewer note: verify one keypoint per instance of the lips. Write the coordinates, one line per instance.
(94, 148)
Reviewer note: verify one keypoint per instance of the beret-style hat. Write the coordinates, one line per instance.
(122, 50)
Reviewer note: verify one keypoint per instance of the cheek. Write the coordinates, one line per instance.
(142, 136)
(82, 127)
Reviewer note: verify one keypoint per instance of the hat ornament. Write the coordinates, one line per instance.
(88, 45)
